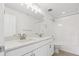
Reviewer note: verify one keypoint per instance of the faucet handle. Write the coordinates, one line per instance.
(24, 34)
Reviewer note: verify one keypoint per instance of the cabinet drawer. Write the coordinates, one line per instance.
(20, 51)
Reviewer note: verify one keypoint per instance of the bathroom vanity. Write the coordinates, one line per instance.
(17, 21)
(35, 47)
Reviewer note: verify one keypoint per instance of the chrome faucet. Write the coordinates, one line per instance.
(40, 35)
(22, 36)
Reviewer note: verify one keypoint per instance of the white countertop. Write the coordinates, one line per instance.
(12, 44)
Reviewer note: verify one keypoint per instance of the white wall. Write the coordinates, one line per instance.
(67, 33)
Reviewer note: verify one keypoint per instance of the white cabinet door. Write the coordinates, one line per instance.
(42, 51)
(46, 50)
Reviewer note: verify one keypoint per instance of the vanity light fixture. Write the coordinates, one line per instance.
(33, 7)
(29, 5)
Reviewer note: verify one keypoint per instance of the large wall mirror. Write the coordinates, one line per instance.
(9, 24)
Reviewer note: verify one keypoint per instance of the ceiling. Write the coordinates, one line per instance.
(58, 9)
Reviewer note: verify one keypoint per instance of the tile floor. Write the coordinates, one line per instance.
(63, 53)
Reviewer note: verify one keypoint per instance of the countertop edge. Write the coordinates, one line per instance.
(31, 42)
